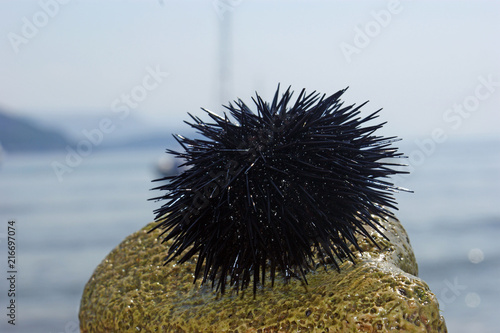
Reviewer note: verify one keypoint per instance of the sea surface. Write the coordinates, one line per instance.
(66, 225)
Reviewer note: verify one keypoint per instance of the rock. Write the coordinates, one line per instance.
(131, 291)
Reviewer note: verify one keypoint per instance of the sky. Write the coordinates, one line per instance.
(431, 65)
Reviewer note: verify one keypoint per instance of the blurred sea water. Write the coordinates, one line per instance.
(65, 227)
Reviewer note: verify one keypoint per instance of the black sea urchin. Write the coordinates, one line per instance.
(281, 189)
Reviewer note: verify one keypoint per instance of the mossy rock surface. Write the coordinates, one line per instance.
(131, 291)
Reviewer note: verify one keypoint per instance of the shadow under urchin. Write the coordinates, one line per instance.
(281, 189)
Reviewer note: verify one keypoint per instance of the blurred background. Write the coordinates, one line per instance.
(90, 92)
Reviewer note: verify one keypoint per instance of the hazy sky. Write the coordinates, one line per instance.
(430, 64)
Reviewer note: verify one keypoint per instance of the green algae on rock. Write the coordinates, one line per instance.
(131, 291)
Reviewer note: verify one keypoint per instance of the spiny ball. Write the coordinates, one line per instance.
(284, 188)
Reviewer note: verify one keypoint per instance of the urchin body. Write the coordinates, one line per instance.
(282, 188)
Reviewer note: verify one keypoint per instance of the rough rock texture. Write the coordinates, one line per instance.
(131, 291)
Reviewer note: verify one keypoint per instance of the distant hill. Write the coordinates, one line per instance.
(22, 135)
(40, 134)
(133, 132)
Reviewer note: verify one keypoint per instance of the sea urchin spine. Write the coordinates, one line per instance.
(281, 189)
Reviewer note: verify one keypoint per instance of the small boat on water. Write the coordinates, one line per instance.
(2, 154)
(168, 165)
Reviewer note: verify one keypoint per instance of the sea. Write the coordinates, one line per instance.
(66, 214)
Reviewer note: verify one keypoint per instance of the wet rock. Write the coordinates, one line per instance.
(131, 291)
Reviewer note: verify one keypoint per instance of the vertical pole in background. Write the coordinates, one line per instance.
(225, 57)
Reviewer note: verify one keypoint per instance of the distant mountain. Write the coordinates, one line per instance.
(50, 132)
(134, 131)
(22, 135)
